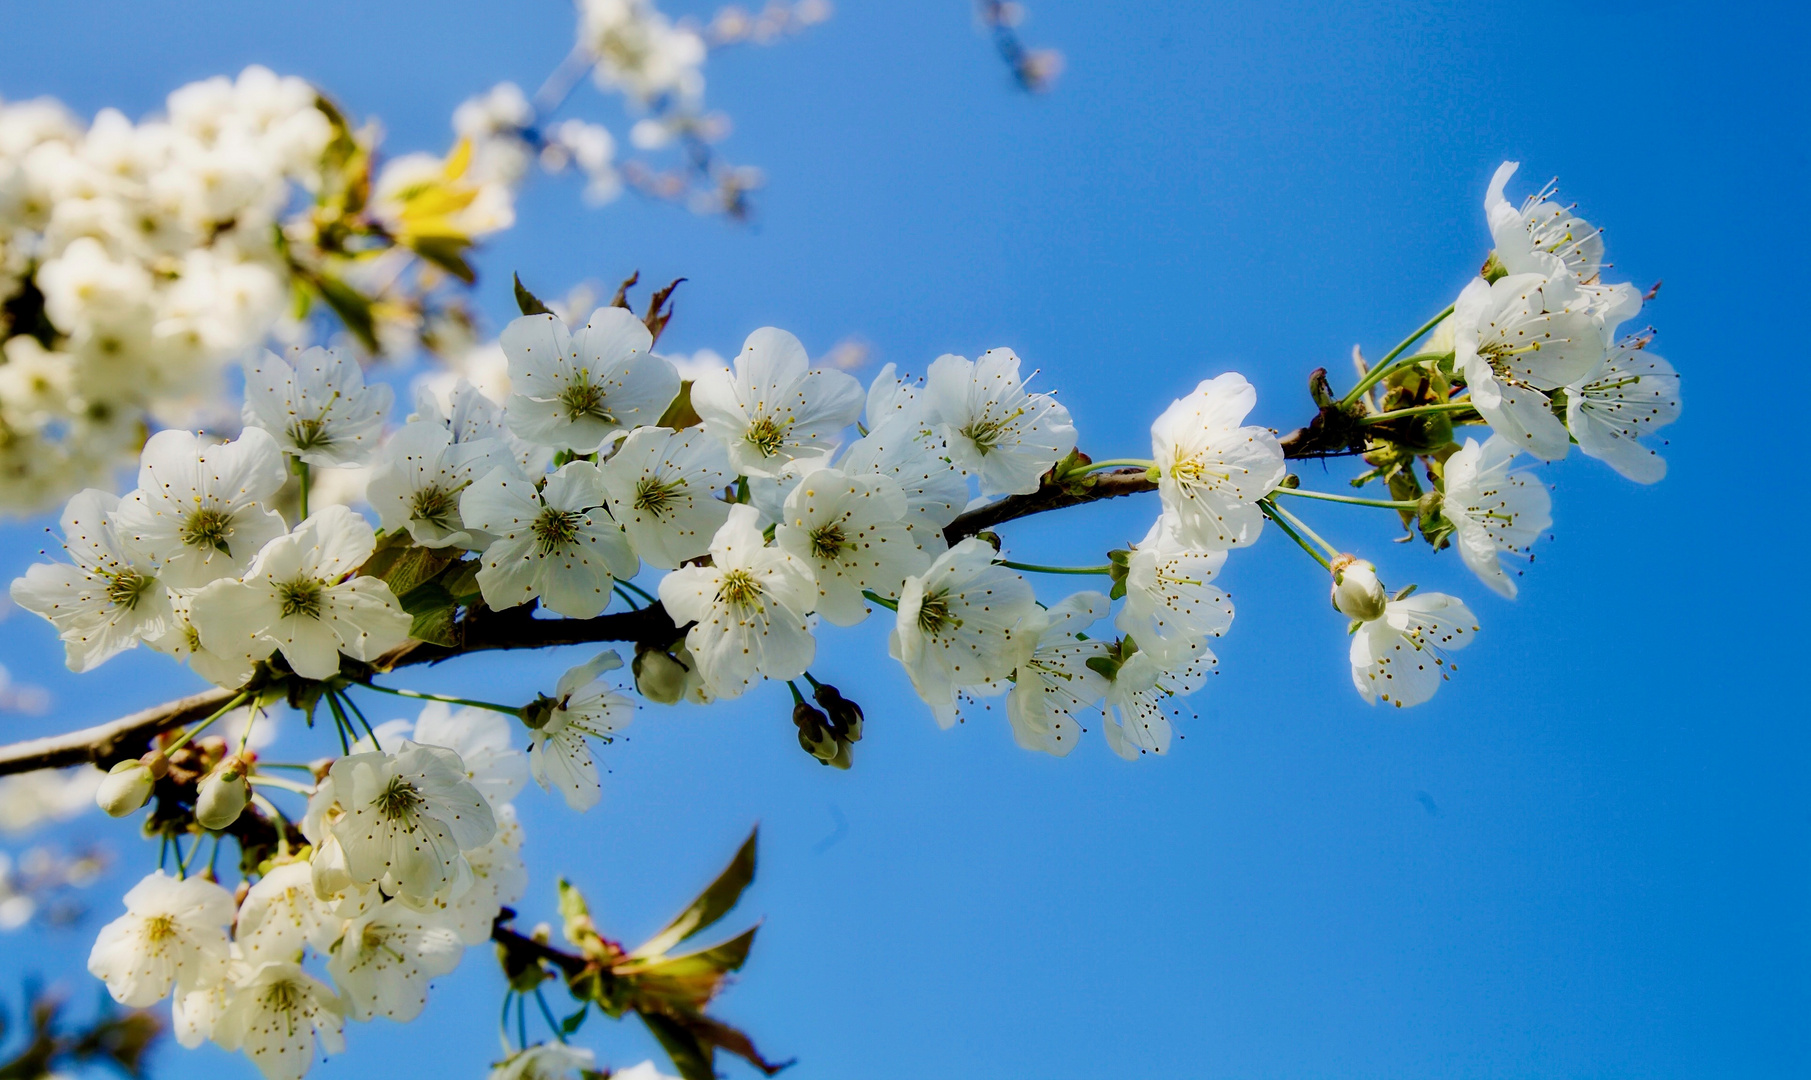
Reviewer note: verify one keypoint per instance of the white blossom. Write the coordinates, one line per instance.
(280, 915)
(406, 818)
(1170, 608)
(274, 1014)
(918, 460)
(298, 599)
(1212, 469)
(964, 624)
(1357, 593)
(316, 406)
(1540, 227)
(1135, 707)
(498, 877)
(1516, 339)
(107, 598)
(548, 1061)
(557, 543)
(199, 512)
(748, 608)
(851, 531)
(1633, 393)
(994, 429)
(639, 51)
(1401, 656)
(1056, 685)
(420, 477)
(384, 957)
(172, 934)
(664, 488)
(577, 392)
(773, 409)
(583, 706)
(228, 670)
(481, 738)
(1496, 514)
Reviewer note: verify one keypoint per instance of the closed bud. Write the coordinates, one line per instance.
(223, 795)
(126, 788)
(814, 732)
(659, 677)
(1356, 591)
(845, 715)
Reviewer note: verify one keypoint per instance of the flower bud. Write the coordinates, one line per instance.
(814, 732)
(1356, 591)
(223, 795)
(659, 677)
(845, 715)
(126, 788)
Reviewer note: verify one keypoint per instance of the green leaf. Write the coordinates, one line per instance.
(448, 253)
(435, 626)
(712, 904)
(577, 1020)
(689, 1055)
(390, 547)
(416, 566)
(527, 301)
(353, 308)
(680, 413)
(462, 582)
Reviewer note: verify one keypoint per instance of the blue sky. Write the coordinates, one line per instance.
(1588, 856)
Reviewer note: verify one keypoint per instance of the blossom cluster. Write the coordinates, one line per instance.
(769, 498)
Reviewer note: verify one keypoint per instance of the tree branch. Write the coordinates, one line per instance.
(484, 630)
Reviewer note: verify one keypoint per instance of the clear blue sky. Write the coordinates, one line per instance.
(1588, 856)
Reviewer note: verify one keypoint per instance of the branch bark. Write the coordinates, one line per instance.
(518, 628)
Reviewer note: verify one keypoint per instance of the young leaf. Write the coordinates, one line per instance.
(712, 904)
(529, 302)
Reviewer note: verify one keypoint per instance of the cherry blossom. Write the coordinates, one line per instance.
(851, 531)
(1497, 514)
(994, 429)
(1633, 393)
(1057, 684)
(1212, 470)
(583, 707)
(773, 410)
(747, 608)
(576, 392)
(664, 488)
(107, 598)
(297, 599)
(557, 542)
(316, 405)
(965, 624)
(199, 511)
(172, 934)
(1402, 655)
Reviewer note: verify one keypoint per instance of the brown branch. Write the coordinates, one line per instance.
(484, 630)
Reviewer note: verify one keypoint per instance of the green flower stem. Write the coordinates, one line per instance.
(183, 739)
(1418, 410)
(348, 733)
(302, 481)
(1112, 463)
(507, 710)
(1034, 568)
(547, 1015)
(797, 698)
(881, 600)
(281, 784)
(1302, 527)
(627, 599)
(1273, 512)
(1384, 366)
(1388, 504)
(346, 700)
(639, 591)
